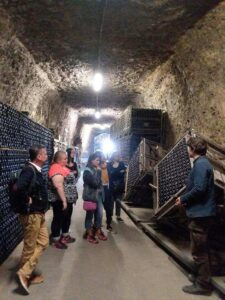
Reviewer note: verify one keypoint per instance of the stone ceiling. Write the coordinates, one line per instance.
(138, 35)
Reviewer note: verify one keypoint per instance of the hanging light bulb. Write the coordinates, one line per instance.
(97, 82)
(97, 114)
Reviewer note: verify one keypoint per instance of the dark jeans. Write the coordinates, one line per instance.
(97, 214)
(108, 205)
(199, 232)
(116, 198)
(61, 218)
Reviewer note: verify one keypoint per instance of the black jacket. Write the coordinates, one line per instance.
(38, 192)
(117, 178)
(92, 184)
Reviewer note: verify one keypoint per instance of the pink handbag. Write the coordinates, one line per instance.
(89, 205)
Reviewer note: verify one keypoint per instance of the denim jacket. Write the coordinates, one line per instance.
(199, 200)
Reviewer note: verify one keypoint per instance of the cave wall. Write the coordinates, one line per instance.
(26, 87)
(190, 84)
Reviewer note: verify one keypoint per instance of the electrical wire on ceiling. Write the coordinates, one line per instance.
(100, 50)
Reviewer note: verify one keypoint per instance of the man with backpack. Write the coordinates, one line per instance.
(32, 202)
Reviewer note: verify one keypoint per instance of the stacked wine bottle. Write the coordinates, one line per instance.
(173, 171)
(18, 134)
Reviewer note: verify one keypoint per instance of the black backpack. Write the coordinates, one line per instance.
(13, 194)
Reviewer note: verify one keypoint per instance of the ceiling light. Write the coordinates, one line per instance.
(108, 147)
(97, 82)
(97, 114)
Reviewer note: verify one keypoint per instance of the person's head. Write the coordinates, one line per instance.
(60, 157)
(115, 157)
(77, 141)
(101, 155)
(38, 154)
(93, 161)
(196, 147)
(70, 154)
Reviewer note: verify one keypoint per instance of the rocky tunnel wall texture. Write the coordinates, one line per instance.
(164, 54)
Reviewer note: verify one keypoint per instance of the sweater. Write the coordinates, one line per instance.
(199, 199)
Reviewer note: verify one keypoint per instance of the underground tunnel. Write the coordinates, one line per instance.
(160, 79)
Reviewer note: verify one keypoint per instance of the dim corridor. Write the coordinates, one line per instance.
(129, 266)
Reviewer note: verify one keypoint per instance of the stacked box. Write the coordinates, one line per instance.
(143, 160)
(133, 125)
(127, 145)
(18, 133)
(139, 173)
(140, 121)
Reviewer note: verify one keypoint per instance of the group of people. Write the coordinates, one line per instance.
(104, 184)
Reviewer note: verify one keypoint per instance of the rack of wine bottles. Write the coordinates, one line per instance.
(171, 173)
(143, 160)
(140, 173)
(140, 121)
(18, 134)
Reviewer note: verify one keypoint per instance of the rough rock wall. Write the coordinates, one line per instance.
(26, 87)
(190, 85)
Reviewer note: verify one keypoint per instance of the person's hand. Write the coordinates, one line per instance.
(30, 200)
(178, 202)
(64, 205)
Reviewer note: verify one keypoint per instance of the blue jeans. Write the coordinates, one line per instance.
(97, 214)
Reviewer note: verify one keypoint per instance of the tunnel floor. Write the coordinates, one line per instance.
(129, 266)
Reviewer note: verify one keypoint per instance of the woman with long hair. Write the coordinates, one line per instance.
(71, 164)
(93, 200)
(108, 200)
(116, 171)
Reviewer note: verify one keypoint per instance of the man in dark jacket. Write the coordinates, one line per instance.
(200, 208)
(31, 191)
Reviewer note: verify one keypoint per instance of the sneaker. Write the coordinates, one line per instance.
(196, 289)
(59, 245)
(36, 279)
(119, 219)
(101, 236)
(109, 228)
(91, 239)
(68, 239)
(24, 282)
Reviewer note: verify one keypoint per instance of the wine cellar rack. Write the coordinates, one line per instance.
(171, 173)
(18, 134)
(139, 172)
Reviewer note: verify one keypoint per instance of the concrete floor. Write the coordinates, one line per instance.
(129, 266)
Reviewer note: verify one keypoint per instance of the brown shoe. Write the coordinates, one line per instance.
(24, 282)
(91, 237)
(37, 279)
(100, 235)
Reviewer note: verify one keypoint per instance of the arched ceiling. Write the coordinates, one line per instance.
(137, 36)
